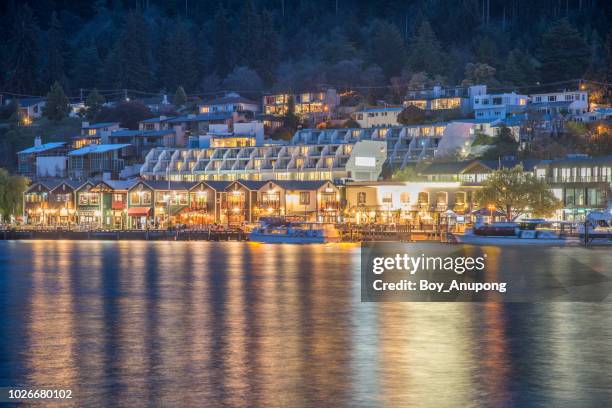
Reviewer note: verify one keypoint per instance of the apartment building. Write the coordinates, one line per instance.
(307, 104)
(377, 117)
(499, 106)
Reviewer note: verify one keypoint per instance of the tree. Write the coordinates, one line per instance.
(128, 114)
(268, 50)
(23, 53)
(412, 115)
(56, 52)
(408, 173)
(387, 48)
(244, 80)
(134, 53)
(222, 44)
(11, 194)
(86, 70)
(564, 53)
(517, 193)
(425, 52)
(290, 120)
(479, 73)
(520, 68)
(178, 59)
(180, 97)
(94, 103)
(56, 106)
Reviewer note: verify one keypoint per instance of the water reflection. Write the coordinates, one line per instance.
(243, 325)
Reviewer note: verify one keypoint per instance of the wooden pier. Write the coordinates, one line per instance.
(126, 235)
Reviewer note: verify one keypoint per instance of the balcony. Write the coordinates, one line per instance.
(581, 179)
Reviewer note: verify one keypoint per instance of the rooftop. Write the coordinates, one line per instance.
(99, 125)
(42, 148)
(97, 149)
(230, 98)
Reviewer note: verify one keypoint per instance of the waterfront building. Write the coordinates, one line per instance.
(95, 160)
(239, 201)
(472, 171)
(439, 99)
(582, 183)
(302, 200)
(88, 205)
(61, 206)
(415, 203)
(307, 104)
(499, 106)
(377, 117)
(205, 199)
(113, 202)
(328, 161)
(43, 160)
(232, 102)
(40, 206)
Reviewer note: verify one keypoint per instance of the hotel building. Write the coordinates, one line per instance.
(582, 183)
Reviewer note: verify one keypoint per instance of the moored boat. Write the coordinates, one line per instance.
(295, 233)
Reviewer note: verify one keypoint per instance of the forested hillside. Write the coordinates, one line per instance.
(256, 45)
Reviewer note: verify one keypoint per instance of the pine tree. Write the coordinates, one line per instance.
(56, 106)
(94, 103)
(564, 54)
(222, 44)
(178, 59)
(520, 68)
(56, 52)
(23, 47)
(266, 60)
(425, 52)
(387, 48)
(134, 53)
(290, 119)
(180, 97)
(86, 70)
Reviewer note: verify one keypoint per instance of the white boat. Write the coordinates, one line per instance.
(599, 224)
(295, 233)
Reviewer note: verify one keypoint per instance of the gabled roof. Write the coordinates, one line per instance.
(156, 120)
(599, 160)
(217, 185)
(202, 117)
(300, 184)
(74, 184)
(97, 148)
(24, 103)
(49, 184)
(42, 148)
(250, 184)
(99, 125)
(229, 99)
(118, 184)
(163, 184)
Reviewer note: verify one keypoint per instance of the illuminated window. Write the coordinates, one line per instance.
(361, 198)
(304, 198)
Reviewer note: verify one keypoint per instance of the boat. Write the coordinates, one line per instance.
(598, 224)
(294, 233)
(525, 232)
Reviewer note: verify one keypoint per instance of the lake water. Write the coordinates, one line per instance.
(245, 325)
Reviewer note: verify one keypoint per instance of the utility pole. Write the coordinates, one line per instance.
(81, 94)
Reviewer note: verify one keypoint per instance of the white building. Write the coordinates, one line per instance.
(499, 106)
(377, 117)
(573, 103)
(362, 160)
(232, 102)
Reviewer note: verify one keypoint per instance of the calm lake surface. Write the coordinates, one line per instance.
(245, 325)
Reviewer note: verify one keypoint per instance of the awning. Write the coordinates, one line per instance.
(139, 211)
